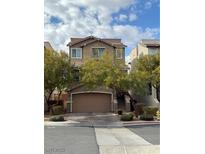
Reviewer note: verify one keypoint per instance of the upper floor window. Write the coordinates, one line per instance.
(76, 53)
(119, 53)
(152, 51)
(97, 52)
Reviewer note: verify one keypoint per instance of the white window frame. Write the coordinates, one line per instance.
(98, 51)
(116, 50)
(76, 57)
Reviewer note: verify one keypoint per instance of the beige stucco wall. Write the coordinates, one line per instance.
(87, 52)
(142, 50)
(133, 57)
(133, 54)
(83, 88)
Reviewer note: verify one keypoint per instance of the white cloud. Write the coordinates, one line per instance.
(123, 17)
(81, 18)
(132, 17)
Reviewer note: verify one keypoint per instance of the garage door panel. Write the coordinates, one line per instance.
(91, 102)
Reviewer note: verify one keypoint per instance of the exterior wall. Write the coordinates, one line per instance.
(87, 52)
(142, 50)
(48, 46)
(127, 103)
(157, 50)
(83, 88)
(133, 54)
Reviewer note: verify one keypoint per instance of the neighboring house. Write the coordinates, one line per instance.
(99, 99)
(48, 46)
(146, 47)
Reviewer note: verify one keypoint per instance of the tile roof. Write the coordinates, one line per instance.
(111, 41)
(150, 42)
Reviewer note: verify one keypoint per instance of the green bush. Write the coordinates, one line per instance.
(139, 109)
(150, 110)
(57, 118)
(158, 115)
(127, 117)
(147, 117)
(57, 110)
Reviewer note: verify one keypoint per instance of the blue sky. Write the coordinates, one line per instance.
(130, 20)
(147, 13)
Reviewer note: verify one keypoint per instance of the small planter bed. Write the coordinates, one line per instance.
(146, 117)
(127, 117)
(57, 118)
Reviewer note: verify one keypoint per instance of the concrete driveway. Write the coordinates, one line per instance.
(90, 120)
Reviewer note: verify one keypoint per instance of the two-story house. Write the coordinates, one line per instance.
(146, 47)
(99, 99)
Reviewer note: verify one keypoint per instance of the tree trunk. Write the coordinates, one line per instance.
(132, 101)
(158, 93)
(48, 99)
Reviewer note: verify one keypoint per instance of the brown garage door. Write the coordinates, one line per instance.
(91, 102)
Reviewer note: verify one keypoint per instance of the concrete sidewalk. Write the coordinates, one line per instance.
(122, 141)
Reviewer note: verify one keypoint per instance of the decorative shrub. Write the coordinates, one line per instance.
(57, 110)
(57, 118)
(127, 117)
(139, 109)
(158, 115)
(150, 110)
(119, 112)
(147, 117)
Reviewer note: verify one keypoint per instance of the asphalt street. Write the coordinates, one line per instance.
(149, 133)
(70, 140)
(82, 140)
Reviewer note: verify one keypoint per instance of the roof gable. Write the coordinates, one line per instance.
(92, 39)
(98, 40)
(80, 40)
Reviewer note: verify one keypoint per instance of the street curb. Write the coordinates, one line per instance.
(141, 123)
